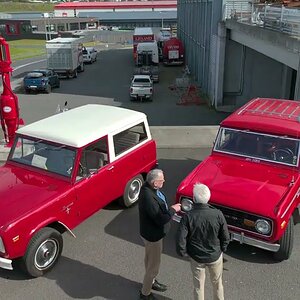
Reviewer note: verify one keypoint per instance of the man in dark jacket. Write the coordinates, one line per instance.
(154, 217)
(203, 236)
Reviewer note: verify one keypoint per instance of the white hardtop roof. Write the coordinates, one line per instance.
(82, 125)
(64, 40)
(142, 76)
(142, 30)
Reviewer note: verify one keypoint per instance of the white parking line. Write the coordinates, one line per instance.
(31, 63)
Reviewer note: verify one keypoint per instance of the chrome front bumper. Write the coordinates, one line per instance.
(240, 237)
(6, 263)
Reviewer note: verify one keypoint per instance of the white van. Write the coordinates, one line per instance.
(89, 54)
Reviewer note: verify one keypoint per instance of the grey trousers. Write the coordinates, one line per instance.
(216, 270)
(152, 263)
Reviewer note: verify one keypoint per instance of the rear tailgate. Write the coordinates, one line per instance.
(141, 90)
(34, 83)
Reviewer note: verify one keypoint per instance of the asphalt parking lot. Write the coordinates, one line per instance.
(105, 261)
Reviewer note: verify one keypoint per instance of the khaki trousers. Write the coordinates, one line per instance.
(216, 270)
(153, 252)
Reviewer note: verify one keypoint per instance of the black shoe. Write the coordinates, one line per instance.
(159, 286)
(149, 297)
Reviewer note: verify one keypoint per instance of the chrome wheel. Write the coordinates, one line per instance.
(46, 254)
(134, 189)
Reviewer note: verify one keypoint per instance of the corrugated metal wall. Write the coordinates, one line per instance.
(198, 28)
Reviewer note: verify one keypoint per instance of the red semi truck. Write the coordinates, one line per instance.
(141, 35)
(173, 52)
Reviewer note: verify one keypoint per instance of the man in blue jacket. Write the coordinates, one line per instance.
(203, 236)
(155, 216)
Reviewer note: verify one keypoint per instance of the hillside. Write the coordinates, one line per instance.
(25, 7)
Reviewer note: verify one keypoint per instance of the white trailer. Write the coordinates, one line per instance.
(64, 56)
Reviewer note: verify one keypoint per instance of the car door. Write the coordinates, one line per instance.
(93, 186)
(49, 74)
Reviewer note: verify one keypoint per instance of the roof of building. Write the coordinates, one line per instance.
(133, 15)
(274, 116)
(116, 5)
(21, 16)
(80, 126)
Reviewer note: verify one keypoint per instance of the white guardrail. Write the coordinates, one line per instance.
(278, 18)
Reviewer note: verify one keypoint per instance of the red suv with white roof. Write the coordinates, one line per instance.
(253, 174)
(63, 169)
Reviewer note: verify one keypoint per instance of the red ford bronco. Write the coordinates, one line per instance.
(63, 169)
(253, 174)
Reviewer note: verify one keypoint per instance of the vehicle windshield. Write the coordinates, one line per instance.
(43, 155)
(142, 82)
(278, 149)
(36, 74)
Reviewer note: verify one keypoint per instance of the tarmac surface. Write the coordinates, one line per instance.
(172, 124)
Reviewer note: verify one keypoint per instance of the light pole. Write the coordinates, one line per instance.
(162, 19)
(46, 15)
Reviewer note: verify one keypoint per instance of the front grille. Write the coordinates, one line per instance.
(241, 220)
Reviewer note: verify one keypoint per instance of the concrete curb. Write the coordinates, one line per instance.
(184, 136)
(167, 137)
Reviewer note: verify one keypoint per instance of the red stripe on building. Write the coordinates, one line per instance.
(116, 5)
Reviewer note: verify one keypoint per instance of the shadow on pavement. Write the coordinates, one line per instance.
(79, 280)
(130, 232)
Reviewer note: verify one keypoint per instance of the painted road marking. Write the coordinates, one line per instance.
(31, 63)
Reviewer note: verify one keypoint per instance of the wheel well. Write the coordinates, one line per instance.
(296, 215)
(58, 226)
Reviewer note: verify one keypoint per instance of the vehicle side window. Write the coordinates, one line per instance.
(129, 138)
(93, 158)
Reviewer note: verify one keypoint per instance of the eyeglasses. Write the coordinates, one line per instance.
(162, 180)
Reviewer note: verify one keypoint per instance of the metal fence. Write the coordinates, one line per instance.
(278, 18)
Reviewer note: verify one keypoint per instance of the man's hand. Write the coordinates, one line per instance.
(177, 207)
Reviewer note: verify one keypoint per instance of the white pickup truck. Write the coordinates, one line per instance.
(141, 88)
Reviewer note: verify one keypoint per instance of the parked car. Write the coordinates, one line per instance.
(141, 87)
(89, 54)
(253, 173)
(41, 80)
(63, 169)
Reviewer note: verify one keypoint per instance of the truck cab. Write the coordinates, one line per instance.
(147, 60)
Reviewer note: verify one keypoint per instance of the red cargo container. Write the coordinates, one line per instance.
(173, 52)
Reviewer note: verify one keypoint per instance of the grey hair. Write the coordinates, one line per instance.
(201, 193)
(153, 175)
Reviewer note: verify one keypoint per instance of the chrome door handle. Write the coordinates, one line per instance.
(110, 168)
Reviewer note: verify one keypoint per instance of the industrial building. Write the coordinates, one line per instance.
(127, 15)
(239, 50)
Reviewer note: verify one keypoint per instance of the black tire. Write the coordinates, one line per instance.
(48, 89)
(132, 191)
(286, 242)
(27, 91)
(43, 252)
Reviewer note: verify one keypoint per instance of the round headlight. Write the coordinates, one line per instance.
(186, 204)
(263, 226)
